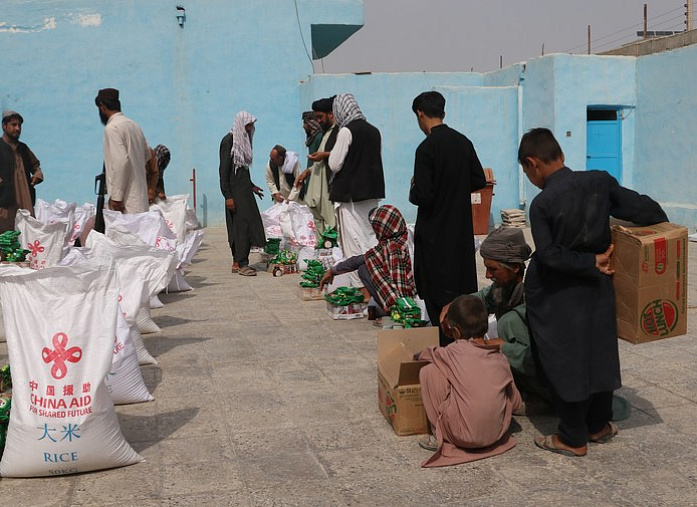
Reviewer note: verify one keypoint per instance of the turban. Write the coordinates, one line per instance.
(109, 94)
(323, 105)
(506, 245)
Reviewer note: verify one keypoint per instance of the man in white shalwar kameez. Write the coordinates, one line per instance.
(125, 154)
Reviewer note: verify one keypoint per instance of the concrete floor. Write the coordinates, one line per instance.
(262, 400)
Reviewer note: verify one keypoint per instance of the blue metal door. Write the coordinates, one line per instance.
(604, 142)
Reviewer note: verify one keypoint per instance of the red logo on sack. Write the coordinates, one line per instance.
(661, 255)
(35, 248)
(659, 317)
(59, 355)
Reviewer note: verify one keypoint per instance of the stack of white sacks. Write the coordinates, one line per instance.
(73, 328)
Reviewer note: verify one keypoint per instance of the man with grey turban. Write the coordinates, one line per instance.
(504, 252)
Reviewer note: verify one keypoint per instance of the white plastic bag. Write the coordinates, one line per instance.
(303, 224)
(148, 226)
(63, 420)
(155, 302)
(145, 322)
(44, 241)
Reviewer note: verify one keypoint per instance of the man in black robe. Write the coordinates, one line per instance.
(570, 297)
(244, 226)
(446, 171)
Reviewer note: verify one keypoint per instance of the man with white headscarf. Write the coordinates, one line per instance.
(281, 171)
(358, 181)
(242, 216)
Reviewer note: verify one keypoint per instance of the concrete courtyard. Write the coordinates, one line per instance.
(262, 400)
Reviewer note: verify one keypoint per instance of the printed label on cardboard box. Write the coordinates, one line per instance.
(659, 317)
(661, 255)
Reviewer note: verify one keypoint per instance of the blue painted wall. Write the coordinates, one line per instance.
(183, 85)
(666, 132)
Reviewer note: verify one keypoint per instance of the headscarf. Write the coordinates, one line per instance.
(346, 110)
(388, 262)
(315, 128)
(163, 157)
(289, 162)
(242, 140)
(506, 245)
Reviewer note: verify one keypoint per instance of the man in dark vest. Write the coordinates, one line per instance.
(446, 171)
(359, 182)
(20, 171)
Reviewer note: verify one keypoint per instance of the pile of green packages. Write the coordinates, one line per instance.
(329, 238)
(284, 257)
(5, 403)
(312, 275)
(273, 245)
(405, 311)
(344, 296)
(10, 249)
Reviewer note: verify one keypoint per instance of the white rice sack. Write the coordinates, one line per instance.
(174, 210)
(44, 241)
(155, 302)
(145, 322)
(178, 283)
(148, 226)
(132, 288)
(58, 212)
(188, 248)
(154, 265)
(124, 382)
(144, 357)
(82, 215)
(192, 222)
(63, 420)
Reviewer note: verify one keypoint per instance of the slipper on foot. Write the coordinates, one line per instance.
(247, 271)
(604, 435)
(429, 442)
(552, 443)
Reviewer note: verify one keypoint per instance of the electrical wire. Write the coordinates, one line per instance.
(632, 27)
(302, 37)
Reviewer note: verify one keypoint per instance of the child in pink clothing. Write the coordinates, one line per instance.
(468, 389)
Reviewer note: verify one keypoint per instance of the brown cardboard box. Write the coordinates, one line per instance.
(399, 391)
(650, 281)
(311, 293)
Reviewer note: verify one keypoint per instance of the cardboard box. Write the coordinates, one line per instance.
(311, 293)
(399, 391)
(650, 281)
(346, 312)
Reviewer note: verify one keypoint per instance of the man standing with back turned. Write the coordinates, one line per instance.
(446, 171)
(125, 154)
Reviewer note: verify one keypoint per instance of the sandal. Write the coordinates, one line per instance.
(235, 268)
(247, 271)
(552, 443)
(604, 435)
(378, 322)
(429, 442)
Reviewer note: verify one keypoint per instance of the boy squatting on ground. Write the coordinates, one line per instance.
(468, 390)
(569, 295)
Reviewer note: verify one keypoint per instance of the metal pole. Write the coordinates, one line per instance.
(688, 14)
(646, 20)
(589, 39)
(193, 180)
